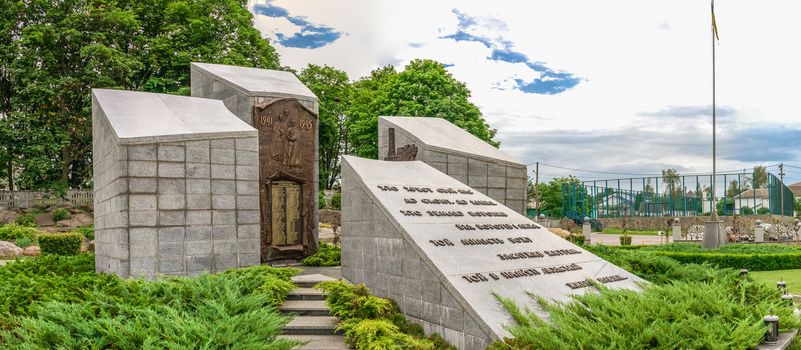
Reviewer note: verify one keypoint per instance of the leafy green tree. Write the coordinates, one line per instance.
(734, 189)
(55, 52)
(760, 177)
(424, 88)
(334, 90)
(797, 205)
(551, 194)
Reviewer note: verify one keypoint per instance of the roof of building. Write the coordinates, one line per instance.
(760, 193)
(144, 117)
(257, 81)
(796, 188)
(440, 133)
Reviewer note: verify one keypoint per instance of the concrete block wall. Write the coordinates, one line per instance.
(187, 207)
(502, 181)
(110, 169)
(375, 253)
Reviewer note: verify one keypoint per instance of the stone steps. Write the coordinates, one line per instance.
(320, 342)
(305, 294)
(313, 322)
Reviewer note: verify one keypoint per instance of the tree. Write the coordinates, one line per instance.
(797, 205)
(424, 88)
(551, 194)
(760, 177)
(734, 189)
(334, 90)
(55, 52)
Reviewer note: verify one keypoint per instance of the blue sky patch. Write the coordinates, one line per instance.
(550, 81)
(310, 36)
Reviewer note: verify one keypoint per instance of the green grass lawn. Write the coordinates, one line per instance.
(792, 277)
(618, 231)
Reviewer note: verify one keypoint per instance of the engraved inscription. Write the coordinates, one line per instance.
(444, 213)
(523, 239)
(560, 269)
(520, 255)
(411, 213)
(606, 279)
(417, 189)
(388, 188)
(481, 241)
(475, 278)
(520, 273)
(441, 242)
(559, 252)
(479, 202)
(499, 214)
(410, 200)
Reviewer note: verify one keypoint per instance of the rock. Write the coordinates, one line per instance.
(9, 250)
(32, 251)
(7, 216)
(77, 220)
(45, 219)
(91, 246)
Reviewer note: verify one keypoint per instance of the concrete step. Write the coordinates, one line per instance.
(313, 325)
(308, 281)
(305, 294)
(305, 307)
(319, 342)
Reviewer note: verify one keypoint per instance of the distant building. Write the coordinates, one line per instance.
(754, 199)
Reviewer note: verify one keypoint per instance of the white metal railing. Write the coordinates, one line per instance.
(28, 199)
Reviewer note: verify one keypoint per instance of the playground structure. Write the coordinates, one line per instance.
(677, 196)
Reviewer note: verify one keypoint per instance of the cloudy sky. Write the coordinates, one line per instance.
(611, 86)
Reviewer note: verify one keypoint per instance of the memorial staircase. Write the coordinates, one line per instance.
(313, 321)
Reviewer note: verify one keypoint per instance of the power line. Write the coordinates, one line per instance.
(725, 172)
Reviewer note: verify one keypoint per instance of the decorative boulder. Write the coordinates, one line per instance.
(32, 251)
(9, 250)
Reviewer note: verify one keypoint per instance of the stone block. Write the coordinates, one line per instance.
(247, 187)
(443, 167)
(457, 169)
(172, 201)
(198, 170)
(171, 234)
(496, 182)
(498, 194)
(247, 202)
(198, 201)
(248, 216)
(198, 233)
(141, 169)
(248, 246)
(142, 152)
(172, 186)
(477, 181)
(496, 170)
(221, 171)
(249, 260)
(516, 172)
(171, 265)
(516, 194)
(172, 153)
(222, 143)
(197, 155)
(456, 159)
(141, 202)
(143, 242)
(171, 249)
(250, 231)
(223, 156)
(223, 232)
(172, 217)
(220, 201)
(199, 263)
(172, 169)
(460, 178)
(247, 143)
(516, 182)
(247, 172)
(142, 218)
(198, 217)
(198, 248)
(198, 186)
(434, 156)
(224, 261)
(482, 190)
(198, 144)
(223, 187)
(476, 168)
(143, 266)
(142, 185)
(247, 157)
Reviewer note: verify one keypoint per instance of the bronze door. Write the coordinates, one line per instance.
(285, 199)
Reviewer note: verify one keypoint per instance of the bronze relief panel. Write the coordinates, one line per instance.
(287, 138)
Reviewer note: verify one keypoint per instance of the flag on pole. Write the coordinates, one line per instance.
(714, 23)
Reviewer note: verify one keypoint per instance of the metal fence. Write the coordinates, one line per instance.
(677, 196)
(28, 199)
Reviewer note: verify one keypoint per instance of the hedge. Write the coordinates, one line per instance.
(61, 244)
(753, 262)
(13, 232)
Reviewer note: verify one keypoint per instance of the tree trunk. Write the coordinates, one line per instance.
(10, 175)
(66, 164)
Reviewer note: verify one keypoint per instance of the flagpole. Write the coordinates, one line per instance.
(714, 236)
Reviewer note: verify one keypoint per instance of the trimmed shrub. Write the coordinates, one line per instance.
(625, 240)
(28, 220)
(86, 231)
(746, 211)
(60, 243)
(328, 255)
(61, 214)
(755, 257)
(13, 232)
(336, 201)
(763, 211)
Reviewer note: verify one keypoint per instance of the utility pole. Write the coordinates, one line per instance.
(537, 182)
(781, 186)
